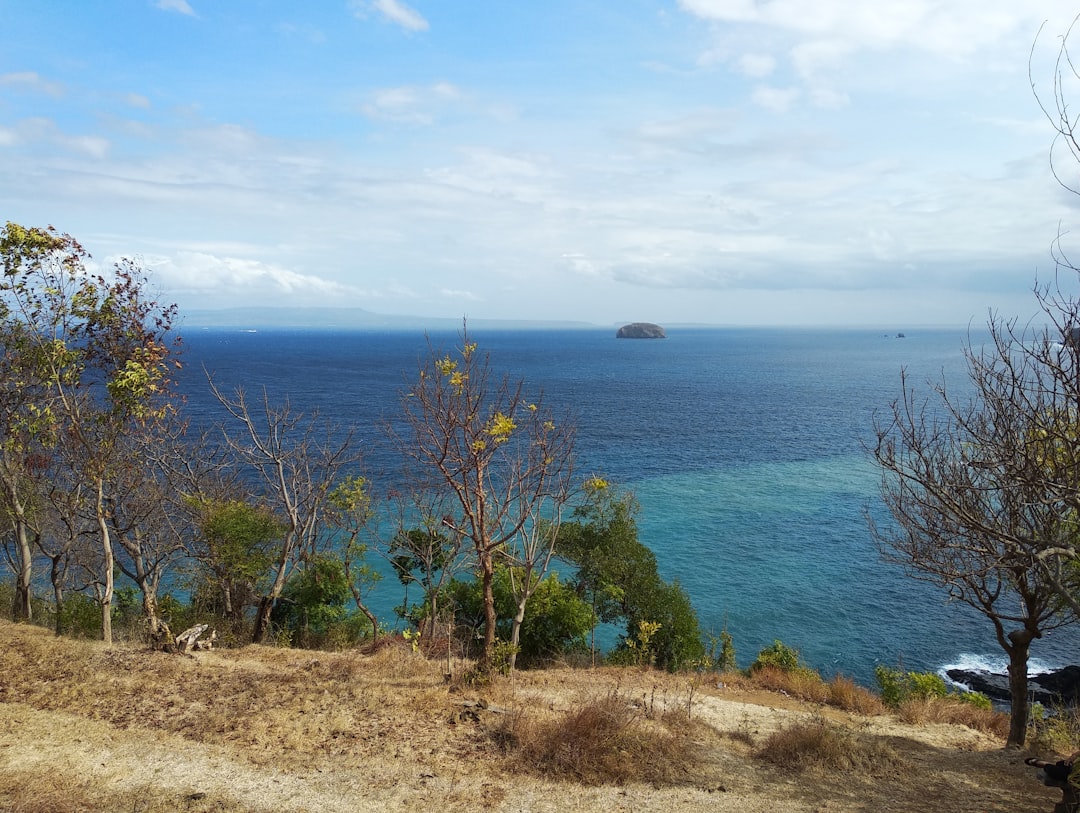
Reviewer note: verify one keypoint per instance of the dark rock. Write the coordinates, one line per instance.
(1061, 687)
(641, 330)
(1064, 684)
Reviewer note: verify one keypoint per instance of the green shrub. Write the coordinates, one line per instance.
(898, 687)
(313, 602)
(80, 616)
(778, 656)
(977, 699)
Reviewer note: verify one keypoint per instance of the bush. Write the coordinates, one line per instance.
(80, 616)
(313, 603)
(953, 710)
(557, 622)
(898, 687)
(846, 694)
(606, 740)
(778, 656)
(818, 746)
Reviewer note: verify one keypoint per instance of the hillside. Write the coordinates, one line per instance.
(89, 728)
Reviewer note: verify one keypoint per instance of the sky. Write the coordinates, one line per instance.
(729, 162)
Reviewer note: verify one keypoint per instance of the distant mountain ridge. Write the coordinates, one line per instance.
(351, 318)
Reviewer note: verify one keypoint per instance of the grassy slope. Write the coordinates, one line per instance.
(84, 727)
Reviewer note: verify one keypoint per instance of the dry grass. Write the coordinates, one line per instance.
(818, 746)
(84, 727)
(805, 684)
(846, 694)
(605, 740)
(954, 712)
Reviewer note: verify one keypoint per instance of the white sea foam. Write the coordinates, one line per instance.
(995, 664)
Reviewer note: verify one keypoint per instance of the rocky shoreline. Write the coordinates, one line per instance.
(1058, 688)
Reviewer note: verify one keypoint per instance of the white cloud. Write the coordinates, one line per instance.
(28, 80)
(242, 280)
(757, 66)
(393, 11)
(179, 6)
(469, 296)
(778, 100)
(956, 28)
(410, 104)
(306, 32)
(137, 100)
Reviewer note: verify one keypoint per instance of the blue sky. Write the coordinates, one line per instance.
(719, 161)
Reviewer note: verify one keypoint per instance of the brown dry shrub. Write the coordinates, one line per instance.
(805, 684)
(815, 745)
(846, 694)
(950, 710)
(24, 793)
(606, 740)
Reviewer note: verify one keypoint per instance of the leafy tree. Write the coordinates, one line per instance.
(100, 351)
(294, 462)
(348, 509)
(556, 620)
(238, 541)
(313, 600)
(618, 576)
(501, 458)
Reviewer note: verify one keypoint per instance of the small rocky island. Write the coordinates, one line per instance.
(641, 330)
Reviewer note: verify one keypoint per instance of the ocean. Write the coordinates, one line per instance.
(746, 449)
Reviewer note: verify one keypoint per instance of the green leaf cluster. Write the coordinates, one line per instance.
(556, 623)
(618, 576)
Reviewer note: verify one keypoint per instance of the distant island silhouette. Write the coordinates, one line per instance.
(641, 330)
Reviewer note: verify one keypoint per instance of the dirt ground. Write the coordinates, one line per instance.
(89, 728)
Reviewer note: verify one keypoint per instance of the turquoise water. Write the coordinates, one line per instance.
(745, 449)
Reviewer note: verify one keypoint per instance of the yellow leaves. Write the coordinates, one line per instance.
(445, 365)
(596, 484)
(500, 427)
(457, 381)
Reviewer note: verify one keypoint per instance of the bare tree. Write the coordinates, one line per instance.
(501, 458)
(971, 486)
(293, 462)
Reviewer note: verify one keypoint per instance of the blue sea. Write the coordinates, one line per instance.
(744, 447)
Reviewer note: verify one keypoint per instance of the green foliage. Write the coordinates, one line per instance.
(313, 602)
(239, 538)
(421, 556)
(898, 686)
(617, 574)
(80, 616)
(778, 656)
(720, 652)
(977, 699)
(556, 623)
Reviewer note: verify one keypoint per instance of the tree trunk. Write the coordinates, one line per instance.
(1020, 642)
(487, 571)
(106, 566)
(262, 620)
(515, 632)
(22, 609)
(57, 580)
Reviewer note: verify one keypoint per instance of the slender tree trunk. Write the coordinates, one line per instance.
(1020, 643)
(22, 609)
(515, 632)
(487, 575)
(262, 620)
(57, 579)
(106, 566)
